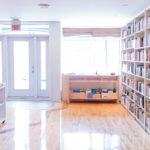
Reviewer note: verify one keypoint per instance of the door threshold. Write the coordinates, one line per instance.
(28, 98)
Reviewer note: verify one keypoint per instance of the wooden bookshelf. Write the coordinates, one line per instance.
(84, 82)
(135, 74)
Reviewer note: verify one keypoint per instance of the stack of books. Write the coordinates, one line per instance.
(140, 25)
(139, 99)
(139, 42)
(130, 43)
(148, 55)
(130, 30)
(148, 39)
(148, 90)
(130, 82)
(140, 114)
(140, 86)
(140, 70)
(131, 56)
(148, 21)
(124, 56)
(139, 55)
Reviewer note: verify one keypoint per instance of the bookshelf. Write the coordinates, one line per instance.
(79, 88)
(135, 68)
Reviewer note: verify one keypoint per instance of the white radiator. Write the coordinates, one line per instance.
(2, 104)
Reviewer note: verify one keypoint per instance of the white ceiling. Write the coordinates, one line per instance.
(74, 13)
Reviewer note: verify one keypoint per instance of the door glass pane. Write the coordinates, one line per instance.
(21, 65)
(0, 61)
(43, 65)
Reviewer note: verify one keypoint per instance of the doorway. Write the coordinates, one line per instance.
(28, 73)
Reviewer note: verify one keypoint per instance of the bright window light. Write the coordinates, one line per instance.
(91, 55)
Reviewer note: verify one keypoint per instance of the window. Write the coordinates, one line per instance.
(91, 55)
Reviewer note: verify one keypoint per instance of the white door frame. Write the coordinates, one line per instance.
(42, 93)
(11, 90)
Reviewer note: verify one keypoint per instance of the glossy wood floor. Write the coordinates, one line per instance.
(76, 127)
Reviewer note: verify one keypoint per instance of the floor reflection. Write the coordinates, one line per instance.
(90, 141)
(43, 130)
(78, 127)
(21, 134)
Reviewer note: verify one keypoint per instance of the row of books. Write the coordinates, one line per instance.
(123, 77)
(130, 93)
(130, 82)
(124, 44)
(124, 56)
(130, 106)
(123, 89)
(140, 86)
(139, 42)
(139, 25)
(148, 55)
(148, 21)
(139, 56)
(130, 56)
(130, 29)
(123, 100)
(139, 100)
(131, 68)
(139, 70)
(148, 106)
(148, 90)
(148, 71)
(124, 67)
(148, 39)
(130, 43)
(139, 114)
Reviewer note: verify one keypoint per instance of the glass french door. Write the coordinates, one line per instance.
(42, 69)
(27, 72)
(21, 73)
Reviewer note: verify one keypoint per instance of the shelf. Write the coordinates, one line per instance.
(130, 48)
(92, 81)
(130, 87)
(139, 32)
(130, 98)
(139, 76)
(123, 93)
(124, 83)
(132, 114)
(105, 98)
(139, 62)
(147, 62)
(139, 48)
(139, 92)
(131, 61)
(147, 79)
(148, 98)
(141, 35)
(141, 123)
(147, 47)
(130, 73)
(140, 106)
(86, 83)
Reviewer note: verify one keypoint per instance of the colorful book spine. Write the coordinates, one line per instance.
(140, 70)
(140, 86)
(139, 100)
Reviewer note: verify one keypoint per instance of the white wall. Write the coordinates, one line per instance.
(55, 33)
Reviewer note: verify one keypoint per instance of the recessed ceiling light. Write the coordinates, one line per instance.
(43, 5)
(124, 5)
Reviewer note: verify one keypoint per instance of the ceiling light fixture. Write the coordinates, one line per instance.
(124, 5)
(43, 5)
